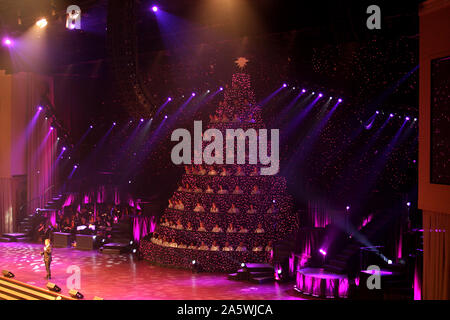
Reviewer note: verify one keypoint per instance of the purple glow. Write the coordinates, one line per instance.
(165, 117)
(408, 203)
(347, 208)
(323, 252)
(284, 85)
(64, 149)
(114, 123)
(193, 94)
(407, 118)
(220, 88)
(142, 120)
(154, 8)
(391, 115)
(51, 128)
(377, 112)
(91, 126)
(7, 42)
(169, 99)
(303, 90)
(320, 95)
(339, 100)
(40, 108)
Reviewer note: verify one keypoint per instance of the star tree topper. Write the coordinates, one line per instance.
(241, 62)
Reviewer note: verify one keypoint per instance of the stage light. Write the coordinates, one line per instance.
(114, 123)
(279, 271)
(330, 98)
(407, 118)
(284, 85)
(165, 117)
(134, 250)
(221, 89)
(75, 166)
(303, 90)
(377, 112)
(53, 287)
(154, 8)
(194, 262)
(313, 92)
(7, 42)
(41, 23)
(91, 126)
(347, 208)
(293, 88)
(131, 242)
(408, 204)
(242, 265)
(389, 261)
(323, 252)
(169, 99)
(57, 138)
(415, 119)
(64, 149)
(7, 274)
(391, 115)
(75, 294)
(339, 100)
(193, 94)
(51, 128)
(320, 95)
(208, 91)
(142, 120)
(40, 108)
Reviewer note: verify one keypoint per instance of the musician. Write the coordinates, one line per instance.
(47, 253)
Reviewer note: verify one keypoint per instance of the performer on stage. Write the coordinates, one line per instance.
(47, 253)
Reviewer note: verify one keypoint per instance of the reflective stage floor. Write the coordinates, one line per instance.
(125, 277)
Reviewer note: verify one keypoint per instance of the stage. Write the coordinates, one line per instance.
(125, 277)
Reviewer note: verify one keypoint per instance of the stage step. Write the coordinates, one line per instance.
(11, 289)
(261, 280)
(14, 237)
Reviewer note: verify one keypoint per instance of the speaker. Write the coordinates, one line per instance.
(75, 294)
(7, 274)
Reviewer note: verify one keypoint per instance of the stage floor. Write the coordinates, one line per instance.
(124, 277)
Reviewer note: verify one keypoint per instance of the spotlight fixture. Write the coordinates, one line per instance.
(114, 123)
(154, 8)
(193, 94)
(320, 95)
(53, 287)
(221, 89)
(169, 99)
(75, 166)
(40, 108)
(391, 115)
(284, 85)
(279, 271)
(313, 92)
(389, 261)
(303, 90)
(7, 274)
(134, 250)
(407, 118)
(330, 98)
(165, 117)
(293, 88)
(323, 252)
(377, 112)
(63, 148)
(408, 204)
(91, 126)
(347, 208)
(242, 265)
(415, 119)
(131, 242)
(142, 120)
(41, 23)
(339, 100)
(51, 128)
(76, 294)
(208, 91)
(194, 262)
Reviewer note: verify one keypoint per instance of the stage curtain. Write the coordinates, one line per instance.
(436, 256)
(40, 144)
(6, 206)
